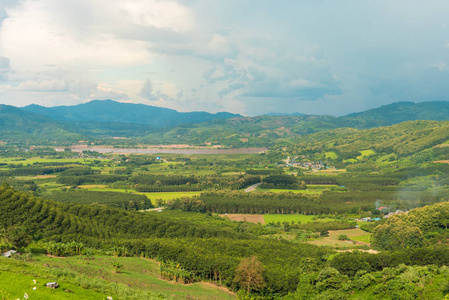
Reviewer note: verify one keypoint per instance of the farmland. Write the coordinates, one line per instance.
(142, 220)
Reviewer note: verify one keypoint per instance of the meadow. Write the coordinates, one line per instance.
(303, 219)
(332, 240)
(94, 277)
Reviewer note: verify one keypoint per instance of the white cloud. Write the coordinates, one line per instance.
(441, 66)
(159, 14)
(224, 55)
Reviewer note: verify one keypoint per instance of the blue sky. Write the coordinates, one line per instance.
(248, 57)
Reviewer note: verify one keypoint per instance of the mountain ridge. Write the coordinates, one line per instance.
(109, 111)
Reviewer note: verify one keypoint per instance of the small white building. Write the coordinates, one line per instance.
(9, 253)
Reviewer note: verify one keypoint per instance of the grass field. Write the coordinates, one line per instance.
(291, 191)
(297, 218)
(137, 273)
(363, 238)
(152, 196)
(357, 235)
(170, 196)
(365, 154)
(14, 286)
(331, 155)
(32, 160)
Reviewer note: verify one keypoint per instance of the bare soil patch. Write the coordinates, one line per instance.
(244, 217)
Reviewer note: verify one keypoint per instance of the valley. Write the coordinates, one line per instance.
(344, 213)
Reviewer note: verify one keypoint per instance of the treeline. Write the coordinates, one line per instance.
(33, 171)
(260, 203)
(215, 183)
(282, 182)
(113, 199)
(169, 188)
(351, 181)
(163, 180)
(329, 202)
(275, 203)
(90, 179)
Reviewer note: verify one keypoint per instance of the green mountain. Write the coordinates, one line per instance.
(155, 125)
(108, 111)
(268, 130)
(17, 124)
(376, 144)
(402, 111)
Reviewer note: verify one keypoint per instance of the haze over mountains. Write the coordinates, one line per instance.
(108, 111)
(150, 124)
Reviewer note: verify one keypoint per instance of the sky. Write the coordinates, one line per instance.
(243, 56)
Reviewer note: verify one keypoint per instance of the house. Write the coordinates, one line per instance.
(366, 219)
(9, 253)
(52, 285)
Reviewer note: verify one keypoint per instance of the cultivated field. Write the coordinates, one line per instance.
(295, 218)
(245, 218)
(357, 235)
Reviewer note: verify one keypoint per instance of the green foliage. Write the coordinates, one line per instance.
(343, 237)
(171, 270)
(282, 182)
(409, 230)
(112, 199)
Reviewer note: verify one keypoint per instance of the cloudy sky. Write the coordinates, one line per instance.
(244, 56)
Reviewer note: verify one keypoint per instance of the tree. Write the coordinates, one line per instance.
(249, 274)
(17, 236)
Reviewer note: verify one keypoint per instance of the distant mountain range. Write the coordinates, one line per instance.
(148, 124)
(108, 111)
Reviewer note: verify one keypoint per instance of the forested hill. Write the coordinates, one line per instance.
(57, 221)
(267, 130)
(419, 227)
(400, 112)
(402, 139)
(108, 111)
(97, 120)
(17, 124)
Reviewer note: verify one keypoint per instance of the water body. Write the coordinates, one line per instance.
(253, 150)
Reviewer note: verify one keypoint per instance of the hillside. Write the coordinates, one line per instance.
(268, 129)
(402, 111)
(418, 227)
(108, 111)
(401, 139)
(17, 124)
